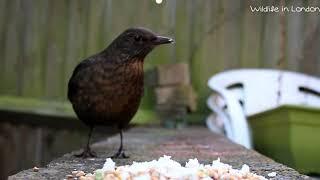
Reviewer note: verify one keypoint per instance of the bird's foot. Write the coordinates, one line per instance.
(87, 153)
(120, 155)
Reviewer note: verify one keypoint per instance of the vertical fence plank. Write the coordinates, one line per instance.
(73, 39)
(196, 43)
(95, 25)
(42, 27)
(40, 34)
(121, 22)
(107, 22)
(191, 10)
(3, 24)
(232, 15)
(155, 16)
(295, 36)
(11, 50)
(56, 49)
(30, 64)
(309, 62)
(208, 61)
(76, 37)
(214, 48)
(251, 34)
(261, 44)
(220, 34)
(160, 55)
(271, 39)
(317, 44)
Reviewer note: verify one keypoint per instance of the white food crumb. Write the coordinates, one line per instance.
(109, 165)
(166, 168)
(272, 174)
(245, 168)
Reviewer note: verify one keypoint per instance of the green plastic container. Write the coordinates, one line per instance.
(290, 135)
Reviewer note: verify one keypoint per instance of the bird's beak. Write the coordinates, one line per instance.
(163, 40)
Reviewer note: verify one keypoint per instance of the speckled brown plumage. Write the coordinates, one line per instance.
(106, 88)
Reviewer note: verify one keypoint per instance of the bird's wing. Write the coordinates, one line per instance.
(72, 85)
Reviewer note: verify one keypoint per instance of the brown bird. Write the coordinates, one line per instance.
(106, 88)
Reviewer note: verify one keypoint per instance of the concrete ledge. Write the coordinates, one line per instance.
(144, 144)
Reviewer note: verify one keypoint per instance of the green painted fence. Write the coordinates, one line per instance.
(41, 41)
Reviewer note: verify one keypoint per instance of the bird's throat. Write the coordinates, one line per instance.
(134, 68)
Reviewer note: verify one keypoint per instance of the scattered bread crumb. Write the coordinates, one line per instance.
(166, 168)
(272, 174)
(35, 169)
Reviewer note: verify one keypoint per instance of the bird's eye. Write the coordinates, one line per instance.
(137, 38)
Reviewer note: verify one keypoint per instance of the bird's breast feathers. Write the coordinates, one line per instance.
(111, 89)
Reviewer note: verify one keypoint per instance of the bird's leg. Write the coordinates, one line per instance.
(87, 152)
(120, 154)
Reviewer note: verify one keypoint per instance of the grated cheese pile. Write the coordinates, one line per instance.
(166, 168)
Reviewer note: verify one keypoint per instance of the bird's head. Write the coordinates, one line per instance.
(137, 43)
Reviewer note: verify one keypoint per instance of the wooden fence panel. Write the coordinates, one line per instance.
(295, 38)
(232, 33)
(4, 5)
(309, 63)
(56, 49)
(251, 34)
(12, 49)
(41, 41)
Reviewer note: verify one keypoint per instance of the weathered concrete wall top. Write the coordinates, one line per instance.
(144, 144)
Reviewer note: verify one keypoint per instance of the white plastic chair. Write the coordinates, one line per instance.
(245, 92)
